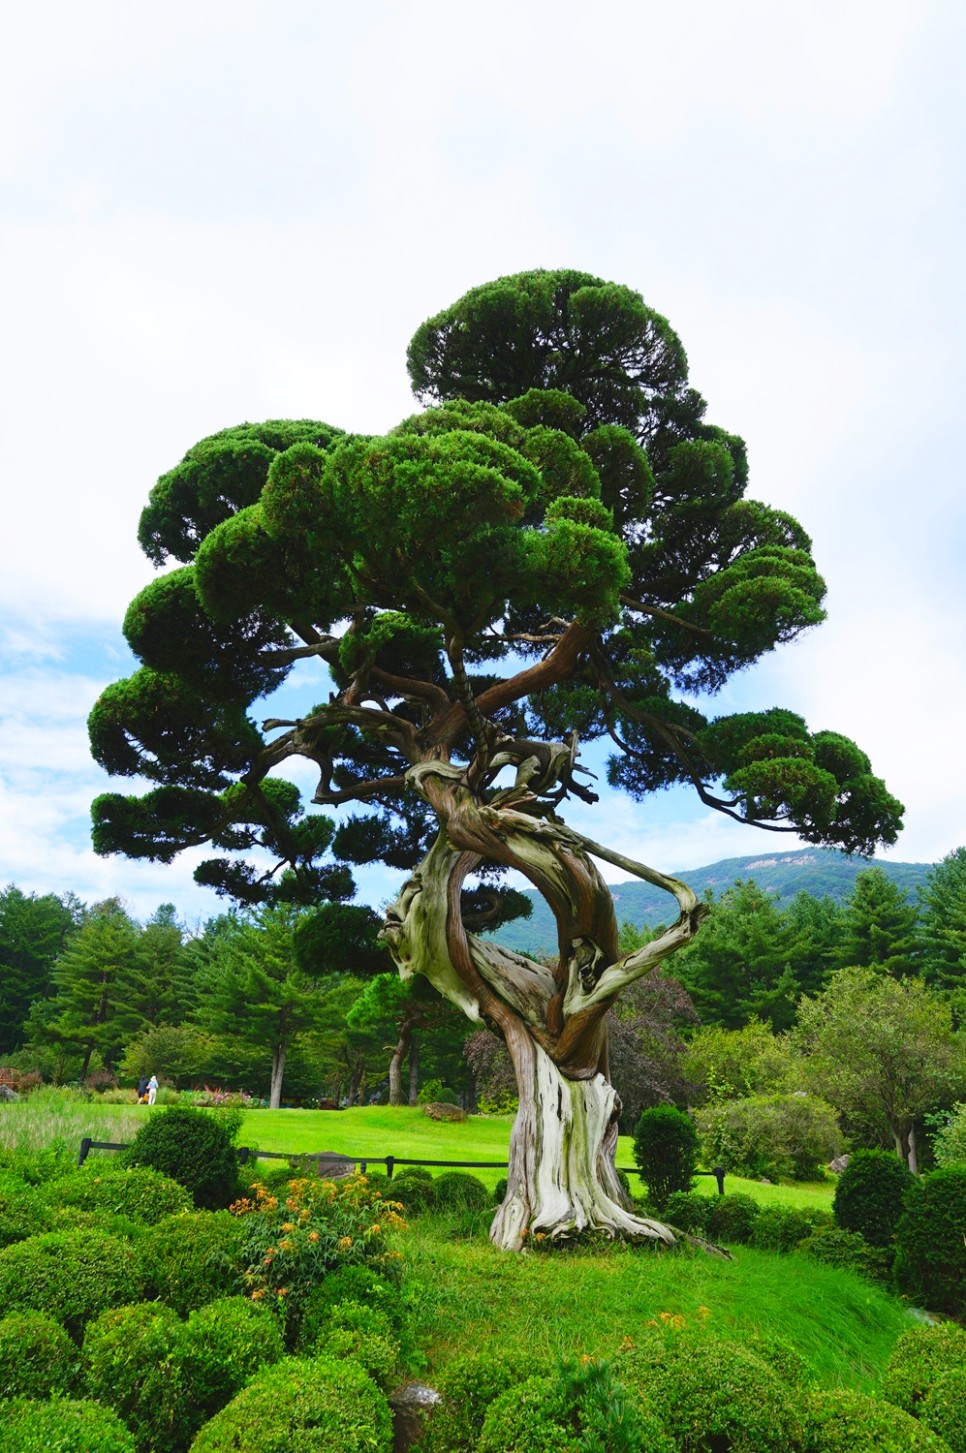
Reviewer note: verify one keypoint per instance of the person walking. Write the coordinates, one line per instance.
(142, 1089)
(152, 1089)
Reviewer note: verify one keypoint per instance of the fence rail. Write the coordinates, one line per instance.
(247, 1153)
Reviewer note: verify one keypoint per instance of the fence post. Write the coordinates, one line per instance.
(719, 1175)
(390, 1164)
(243, 1154)
(85, 1146)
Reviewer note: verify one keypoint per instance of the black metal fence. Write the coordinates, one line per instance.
(336, 1158)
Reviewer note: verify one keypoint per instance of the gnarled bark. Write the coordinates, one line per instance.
(561, 1179)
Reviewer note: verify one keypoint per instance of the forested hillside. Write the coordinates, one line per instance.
(821, 872)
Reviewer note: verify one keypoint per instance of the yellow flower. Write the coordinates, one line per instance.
(343, 1243)
(283, 1291)
(374, 1230)
(288, 1225)
(704, 1312)
(313, 1235)
(286, 1245)
(258, 1294)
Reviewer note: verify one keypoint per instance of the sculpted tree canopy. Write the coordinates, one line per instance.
(558, 549)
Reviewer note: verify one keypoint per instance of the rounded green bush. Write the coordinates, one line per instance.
(841, 1421)
(499, 1191)
(349, 1284)
(457, 1190)
(578, 1408)
(364, 1334)
(415, 1189)
(72, 1275)
(129, 1357)
(467, 1386)
(192, 1147)
(212, 1270)
(137, 1192)
(930, 1260)
(733, 1218)
(62, 1426)
(690, 1211)
(869, 1195)
(942, 1409)
(712, 1395)
(665, 1152)
(222, 1347)
(846, 1250)
(23, 1211)
(780, 1228)
(37, 1358)
(317, 1404)
(922, 1354)
(68, 1218)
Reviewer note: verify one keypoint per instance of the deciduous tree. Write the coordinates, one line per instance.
(559, 547)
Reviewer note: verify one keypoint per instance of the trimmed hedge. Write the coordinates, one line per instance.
(364, 1334)
(733, 1218)
(581, 1407)
(37, 1358)
(23, 1211)
(841, 1422)
(665, 1152)
(869, 1195)
(72, 1275)
(213, 1268)
(130, 1356)
(62, 1426)
(193, 1147)
(942, 1408)
(317, 1404)
(138, 1192)
(467, 1386)
(930, 1260)
(920, 1357)
(457, 1190)
(690, 1211)
(846, 1250)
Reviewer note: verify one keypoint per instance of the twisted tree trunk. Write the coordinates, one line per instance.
(561, 1179)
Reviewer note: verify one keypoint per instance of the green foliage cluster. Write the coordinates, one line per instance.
(733, 1218)
(930, 1262)
(457, 1190)
(582, 1406)
(194, 1148)
(22, 1211)
(468, 1385)
(363, 1333)
(665, 1152)
(71, 1275)
(949, 1140)
(37, 1358)
(839, 1421)
(64, 1425)
(869, 1195)
(139, 1192)
(211, 1271)
(332, 1407)
(847, 1250)
(781, 1136)
(922, 1354)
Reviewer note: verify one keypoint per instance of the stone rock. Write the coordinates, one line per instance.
(411, 1405)
(438, 1111)
(7, 1094)
(837, 1166)
(333, 1167)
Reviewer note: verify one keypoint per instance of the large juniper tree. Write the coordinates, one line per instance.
(559, 548)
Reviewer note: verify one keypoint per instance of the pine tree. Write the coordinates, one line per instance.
(878, 926)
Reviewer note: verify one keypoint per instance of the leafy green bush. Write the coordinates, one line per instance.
(503, 1103)
(361, 1283)
(317, 1404)
(62, 1426)
(138, 1192)
(949, 1141)
(415, 1188)
(780, 1228)
(783, 1137)
(467, 1386)
(869, 1195)
(434, 1092)
(931, 1241)
(72, 1275)
(111, 1223)
(223, 1345)
(712, 1395)
(690, 1211)
(37, 1358)
(583, 1406)
(457, 1190)
(212, 1270)
(846, 1250)
(195, 1148)
(364, 1334)
(499, 1191)
(920, 1357)
(23, 1211)
(840, 1421)
(130, 1357)
(941, 1409)
(665, 1152)
(733, 1218)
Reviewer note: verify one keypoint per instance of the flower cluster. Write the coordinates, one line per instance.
(311, 1227)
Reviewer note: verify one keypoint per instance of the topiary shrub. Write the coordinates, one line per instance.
(733, 1218)
(841, 1421)
(581, 1407)
(350, 1284)
(222, 1346)
(317, 1404)
(869, 1195)
(665, 1152)
(130, 1357)
(434, 1092)
(846, 1250)
(930, 1260)
(780, 1228)
(69, 1218)
(712, 1395)
(195, 1148)
(941, 1409)
(62, 1426)
(457, 1190)
(212, 1270)
(921, 1356)
(499, 1191)
(37, 1358)
(23, 1211)
(415, 1189)
(467, 1386)
(72, 1275)
(364, 1334)
(689, 1211)
(137, 1192)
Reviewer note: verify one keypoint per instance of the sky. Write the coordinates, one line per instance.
(214, 212)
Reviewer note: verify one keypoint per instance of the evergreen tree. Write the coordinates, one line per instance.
(942, 923)
(878, 926)
(815, 929)
(33, 931)
(94, 979)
